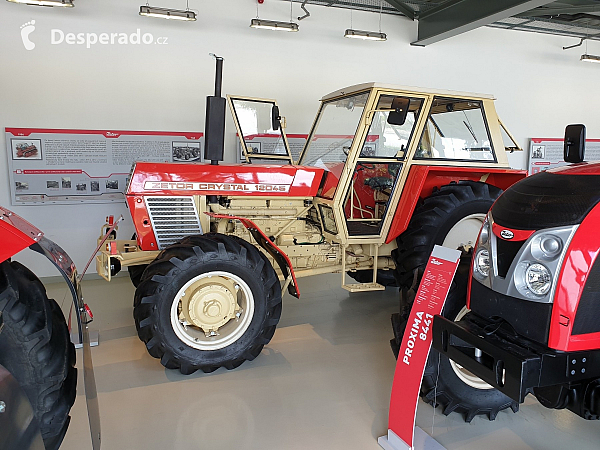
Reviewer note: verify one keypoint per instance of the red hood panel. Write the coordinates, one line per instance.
(233, 179)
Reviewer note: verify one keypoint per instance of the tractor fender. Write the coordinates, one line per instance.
(17, 234)
(269, 246)
(422, 180)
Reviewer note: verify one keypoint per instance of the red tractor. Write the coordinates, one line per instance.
(386, 173)
(534, 299)
(26, 150)
(35, 346)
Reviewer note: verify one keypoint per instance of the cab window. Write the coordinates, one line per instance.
(456, 129)
(389, 140)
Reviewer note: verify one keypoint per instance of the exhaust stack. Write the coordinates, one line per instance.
(214, 144)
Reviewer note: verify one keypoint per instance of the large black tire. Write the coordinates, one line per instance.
(135, 272)
(384, 277)
(441, 385)
(433, 219)
(36, 349)
(191, 259)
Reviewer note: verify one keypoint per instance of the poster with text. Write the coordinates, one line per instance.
(73, 166)
(547, 153)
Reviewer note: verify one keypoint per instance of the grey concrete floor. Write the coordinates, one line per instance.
(323, 382)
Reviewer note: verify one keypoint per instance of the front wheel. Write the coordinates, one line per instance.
(209, 301)
(446, 383)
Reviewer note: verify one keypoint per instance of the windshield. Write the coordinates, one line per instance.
(334, 131)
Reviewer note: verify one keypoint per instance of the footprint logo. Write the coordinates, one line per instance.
(26, 29)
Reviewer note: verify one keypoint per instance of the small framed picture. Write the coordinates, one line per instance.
(26, 149)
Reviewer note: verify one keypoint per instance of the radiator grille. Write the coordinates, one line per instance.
(173, 218)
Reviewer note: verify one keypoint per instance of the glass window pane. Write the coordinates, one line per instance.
(367, 200)
(456, 129)
(254, 118)
(334, 131)
(386, 140)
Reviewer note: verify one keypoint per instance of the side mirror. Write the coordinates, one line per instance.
(275, 118)
(574, 143)
(400, 111)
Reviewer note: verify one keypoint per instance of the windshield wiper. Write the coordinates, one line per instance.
(470, 130)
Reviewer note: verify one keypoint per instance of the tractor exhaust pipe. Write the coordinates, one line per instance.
(214, 144)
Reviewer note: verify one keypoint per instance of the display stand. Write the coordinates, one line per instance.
(94, 339)
(416, 342)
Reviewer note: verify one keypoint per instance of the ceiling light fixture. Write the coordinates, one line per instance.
(168, 13)
(590, 58)
(65, 3)
(367, 35)
(274, 24)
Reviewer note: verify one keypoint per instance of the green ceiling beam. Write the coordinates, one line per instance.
(403, 8)
(561, 10)
(454, 17)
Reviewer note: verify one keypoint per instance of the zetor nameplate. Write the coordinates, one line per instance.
(180, 186)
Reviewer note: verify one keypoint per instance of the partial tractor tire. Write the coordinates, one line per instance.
(135, 272)
(451, 216)
(36, 349)
(447, 384)
(384, 277)
(210, 301)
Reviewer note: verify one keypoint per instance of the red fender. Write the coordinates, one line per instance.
(16, 234)
(423, 179)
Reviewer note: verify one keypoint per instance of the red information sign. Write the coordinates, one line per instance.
(414, 350)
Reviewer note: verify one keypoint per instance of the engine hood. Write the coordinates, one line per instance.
(554, 198)
(227, 179)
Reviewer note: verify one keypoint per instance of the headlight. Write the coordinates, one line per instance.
(538, 279)
(546, 247)
(482, 263)
(484, 234)
(532, 280)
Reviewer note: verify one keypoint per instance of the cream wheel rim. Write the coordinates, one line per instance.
(462, 373)
(212, 310)
(464, 232)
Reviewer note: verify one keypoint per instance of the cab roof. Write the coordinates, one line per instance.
(365, 86)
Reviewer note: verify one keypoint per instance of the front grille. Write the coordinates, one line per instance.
(528, 319)
(173, 218)
(506, 252)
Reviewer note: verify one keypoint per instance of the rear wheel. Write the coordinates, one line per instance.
(446, 383)
(452, 216)
(36, 349)
(210, 301)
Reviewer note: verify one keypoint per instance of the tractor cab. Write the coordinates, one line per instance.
(368, 138)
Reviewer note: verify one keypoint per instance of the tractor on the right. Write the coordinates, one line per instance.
(534, 299)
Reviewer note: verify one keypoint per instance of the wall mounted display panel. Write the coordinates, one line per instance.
(547, 153)
(48, 166)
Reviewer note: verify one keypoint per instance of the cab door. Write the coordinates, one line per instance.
(379, 164)
(260, 130)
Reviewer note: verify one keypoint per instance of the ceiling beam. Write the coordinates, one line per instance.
(564, 10)
(403, 8)
(454, 17)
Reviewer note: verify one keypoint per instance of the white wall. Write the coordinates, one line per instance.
(540, 88)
